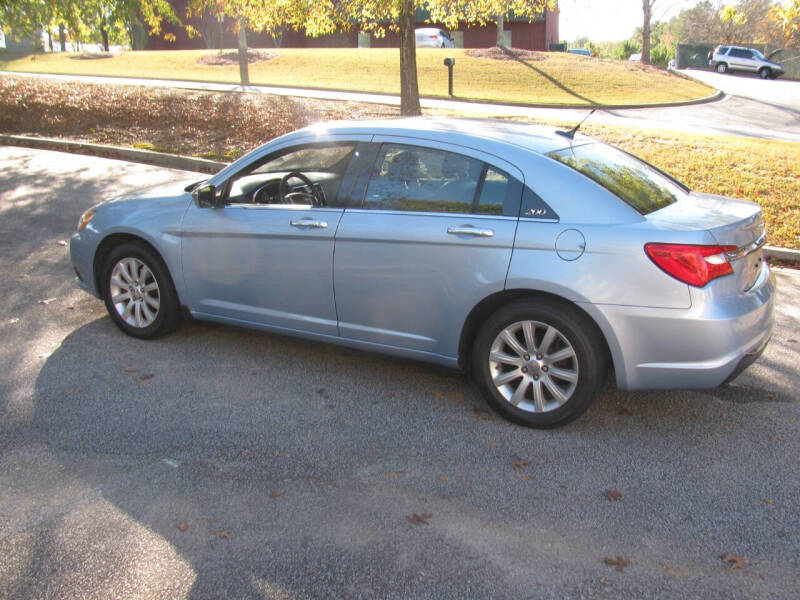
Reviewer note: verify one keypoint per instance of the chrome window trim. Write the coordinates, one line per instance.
(417, 213)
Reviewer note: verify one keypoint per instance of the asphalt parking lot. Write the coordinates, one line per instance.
(224, 463)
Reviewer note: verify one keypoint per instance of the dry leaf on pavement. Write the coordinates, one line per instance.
(520, 463)
(419, 519)
(733, 561)
(613, 495)
(222, 534)
(620, 562)
(182, 526)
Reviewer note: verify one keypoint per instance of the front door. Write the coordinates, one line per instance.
(266, 256)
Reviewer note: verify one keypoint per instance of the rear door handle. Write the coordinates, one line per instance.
(470, 231)
(309, 223)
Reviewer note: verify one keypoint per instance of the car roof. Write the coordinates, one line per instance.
(462, 131)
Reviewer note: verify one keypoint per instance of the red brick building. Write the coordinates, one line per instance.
(536, 35)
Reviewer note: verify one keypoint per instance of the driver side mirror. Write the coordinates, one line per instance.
(206, 197)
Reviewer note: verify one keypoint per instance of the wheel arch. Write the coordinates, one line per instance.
(481, 311)
(111, 241)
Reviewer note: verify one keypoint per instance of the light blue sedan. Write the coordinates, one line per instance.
(533, 258)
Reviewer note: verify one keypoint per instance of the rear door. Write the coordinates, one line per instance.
(431, 236)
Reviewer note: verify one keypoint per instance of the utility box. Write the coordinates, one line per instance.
(364, 39)
(458, 38)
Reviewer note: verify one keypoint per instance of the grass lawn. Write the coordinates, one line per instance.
(225, 126)
(536, 78)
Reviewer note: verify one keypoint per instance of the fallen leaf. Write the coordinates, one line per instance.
(321, 391)
(222, 534)
(523, 477)
(768, 501)
(129, 371)
(493, 445)
(205, 517)
(48, 301)
(70, 307)
(733, 561)
(620, 562)
(770, 396)
(457, 397)
(520, 463)
(62, 243)
(613, 495)
(146, 376)
(14, 320)
(182, 526)
(392, 395)
(792, 341)
(419, 519)
(625, 412)
(275, 495)
(444, 478)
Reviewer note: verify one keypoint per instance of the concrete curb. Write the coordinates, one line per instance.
(148, 157)
(188, 163)
(346, 95)
(785, 254)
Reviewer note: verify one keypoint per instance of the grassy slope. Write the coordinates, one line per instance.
(552, 78)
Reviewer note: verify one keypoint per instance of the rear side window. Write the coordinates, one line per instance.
(413, 178)
(633, 181)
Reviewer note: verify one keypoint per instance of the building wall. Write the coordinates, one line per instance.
(529, 36)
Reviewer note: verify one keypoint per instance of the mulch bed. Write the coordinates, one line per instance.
(497, 53)
(227, 59)
(220, 126)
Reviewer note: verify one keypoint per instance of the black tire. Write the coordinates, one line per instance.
(576, 328)
(722, 68)
(167, 314)
(765, 72)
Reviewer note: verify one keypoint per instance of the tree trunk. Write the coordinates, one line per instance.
(62, 38)
(501, 33)
(104, 33)
(221, 21)
(244, 75)
(50, 39)
(647, 7)
(409, 89)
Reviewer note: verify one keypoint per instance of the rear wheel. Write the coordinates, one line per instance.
(139, 293)
(722, 68)
(765, 72)
(539, 363)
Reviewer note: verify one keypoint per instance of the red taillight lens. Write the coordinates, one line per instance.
(692, 264)
(434, 37)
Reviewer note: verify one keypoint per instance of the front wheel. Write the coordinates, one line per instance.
(765, 73)
(139, 294)
(722, 68)
(539, 363)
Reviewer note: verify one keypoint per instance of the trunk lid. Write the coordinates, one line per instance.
(730, 222)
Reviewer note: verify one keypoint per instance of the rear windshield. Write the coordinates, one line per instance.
(635, 182)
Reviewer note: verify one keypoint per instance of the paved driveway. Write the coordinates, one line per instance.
(774, 92)
(222, 463)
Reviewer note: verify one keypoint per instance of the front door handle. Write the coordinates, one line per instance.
(309, 223)
(470, 231)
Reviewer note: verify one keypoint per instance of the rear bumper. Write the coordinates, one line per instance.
(701, 347)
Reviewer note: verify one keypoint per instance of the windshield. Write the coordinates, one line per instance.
(633, 181)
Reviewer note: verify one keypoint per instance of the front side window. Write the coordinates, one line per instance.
(635, 182)
(321, 168)
(413, 178)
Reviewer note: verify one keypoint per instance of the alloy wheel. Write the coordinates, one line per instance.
(533, 366)
(134, 292)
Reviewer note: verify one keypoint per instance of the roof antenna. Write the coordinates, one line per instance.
(571, 133)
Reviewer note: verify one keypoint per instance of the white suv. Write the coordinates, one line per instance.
(736, 58)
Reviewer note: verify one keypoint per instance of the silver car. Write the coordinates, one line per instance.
(736, 58)
(533, 258)
(433, 37)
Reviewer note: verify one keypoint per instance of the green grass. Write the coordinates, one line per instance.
(540, 78)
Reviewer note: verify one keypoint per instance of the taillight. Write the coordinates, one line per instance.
(690, 263)
(434, 37)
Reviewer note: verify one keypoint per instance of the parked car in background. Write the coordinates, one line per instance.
(433, 37)
(737, 58)
(531, 257)
(637, 57)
